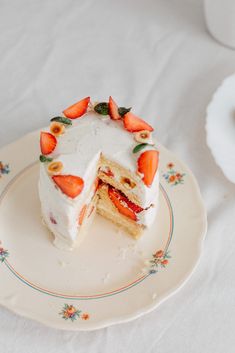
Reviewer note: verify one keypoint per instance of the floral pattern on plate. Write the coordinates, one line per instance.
(3, 254)
(70, 312)
(4, 169)
(160, 260)
(172, 176)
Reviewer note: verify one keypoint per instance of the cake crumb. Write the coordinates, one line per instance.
(122, 253)
(63, 263)
(43, 222)
(146, 267)
(144, 271)
(106, 277)
(146, 262)
(133, 247)
(154, 296)
(141, 253)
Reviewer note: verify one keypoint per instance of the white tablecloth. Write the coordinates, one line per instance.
(156, 56)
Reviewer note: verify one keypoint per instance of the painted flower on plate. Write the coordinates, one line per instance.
(70, 312)
(173, 177)
(4, 169)
(85, 316)
(3, 254)
(159, 259)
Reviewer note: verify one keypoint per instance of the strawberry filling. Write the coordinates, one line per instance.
(123, 204)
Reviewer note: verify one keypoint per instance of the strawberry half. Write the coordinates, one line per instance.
(124, 206)
(78, 109)
(133, 123)
(113, 109)
(70, 185)
(48, 143)
(147, 165)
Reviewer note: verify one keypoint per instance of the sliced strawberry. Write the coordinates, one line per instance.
(82, 215)
(147, 165)
(113, 109)
(133, 206)
(96, 184)
(70, 185)
(48, 142)
(78, 109)
(130, 204)
(120, 204)
(133, 123)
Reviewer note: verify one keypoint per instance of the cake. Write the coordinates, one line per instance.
(97, 158)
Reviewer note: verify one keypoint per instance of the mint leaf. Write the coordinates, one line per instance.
(44, 159)
(139, 147)
(62, 120)
(122, 110)
(102, 108)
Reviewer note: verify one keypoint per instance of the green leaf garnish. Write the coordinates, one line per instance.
(102, 108)
(139, 147)
(44, 159)
(62, 120)
(122, 110)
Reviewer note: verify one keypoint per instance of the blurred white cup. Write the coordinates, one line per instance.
(220, 19)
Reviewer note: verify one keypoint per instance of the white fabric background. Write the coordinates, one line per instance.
(157, 56)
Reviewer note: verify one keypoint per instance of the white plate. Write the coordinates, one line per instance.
(109, 279)
(220, 127)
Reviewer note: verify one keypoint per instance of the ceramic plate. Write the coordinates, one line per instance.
(220, 126)
(111, 278)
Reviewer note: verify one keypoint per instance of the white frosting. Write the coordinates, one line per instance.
(79, 150)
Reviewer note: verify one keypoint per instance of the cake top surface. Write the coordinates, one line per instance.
(75, 141)
(90, 136)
